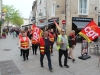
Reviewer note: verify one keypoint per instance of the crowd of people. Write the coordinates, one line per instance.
(65, 45)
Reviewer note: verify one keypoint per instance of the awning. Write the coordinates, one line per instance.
(80, 25)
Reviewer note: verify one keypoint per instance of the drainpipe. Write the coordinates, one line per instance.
(66, 7)
(46, 14)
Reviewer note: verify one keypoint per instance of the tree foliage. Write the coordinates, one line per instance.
(13, 15)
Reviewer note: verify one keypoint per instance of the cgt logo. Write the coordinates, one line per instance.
(91, 33)
(35, 34)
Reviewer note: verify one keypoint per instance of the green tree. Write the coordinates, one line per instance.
(12, 15)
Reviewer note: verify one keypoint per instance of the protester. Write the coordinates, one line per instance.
(72, 43)
(25, 45)
(63, 47)
(29, 33)
(51, 35)
(45, 48)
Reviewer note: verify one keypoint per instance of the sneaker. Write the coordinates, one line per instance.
(73, 60)
(51, 54)
(69, 58)
(27, 58)
(51, 70)
(66, 66)
(60, 65)
(24, 59)
(42, 66)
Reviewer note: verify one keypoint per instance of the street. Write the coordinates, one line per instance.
(12, 64)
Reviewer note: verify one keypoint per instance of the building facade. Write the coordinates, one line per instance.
(77, 13)
(33, 13)
(80, 13)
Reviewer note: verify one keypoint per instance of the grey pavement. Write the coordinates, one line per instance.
(12, 64)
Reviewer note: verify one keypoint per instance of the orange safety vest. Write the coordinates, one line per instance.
(24, 43)
(51, 37)
(34, 41)
(42, 46)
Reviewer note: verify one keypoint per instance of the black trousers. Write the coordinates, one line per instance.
(25, 53)
(65, 53)
(52, 47)
(21, 52)
(34, 48)
(48, 57)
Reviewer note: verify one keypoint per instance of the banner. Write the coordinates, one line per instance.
(90, 32)
(36, 33)
(33, 26)
(59, 29)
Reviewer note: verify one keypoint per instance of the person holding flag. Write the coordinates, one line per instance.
(72, 43)
(36, 34)
(45, 48)
(51, 35)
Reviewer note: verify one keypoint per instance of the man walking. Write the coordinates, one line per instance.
(51, 35)
(62, 46)
(45, 49)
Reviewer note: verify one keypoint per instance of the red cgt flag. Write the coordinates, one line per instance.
(36, 32)
(90, 32)
(59, 29)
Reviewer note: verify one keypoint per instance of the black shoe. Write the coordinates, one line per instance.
(21, 55)
(66, 66)
(35, 53)
(60, 65)
(51, 70)
(27, 58)
(69, 58)
(24, 59)
(42, 66)
(73, 60)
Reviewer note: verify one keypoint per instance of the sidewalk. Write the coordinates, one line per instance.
(12, 64)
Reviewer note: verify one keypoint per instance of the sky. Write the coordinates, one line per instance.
(24, 6)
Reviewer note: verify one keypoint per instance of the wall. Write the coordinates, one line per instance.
(73, 12)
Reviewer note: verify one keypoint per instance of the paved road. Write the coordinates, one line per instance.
(12, 64)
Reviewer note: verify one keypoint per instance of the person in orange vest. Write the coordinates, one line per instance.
(20, 35)
(29, 33)
(45, 48)
(24, 45)
(51, 35)
(34, 46)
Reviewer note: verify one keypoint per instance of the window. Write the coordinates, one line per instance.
(53, 8)
(83, 7)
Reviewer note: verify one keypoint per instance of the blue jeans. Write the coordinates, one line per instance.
(48, 57)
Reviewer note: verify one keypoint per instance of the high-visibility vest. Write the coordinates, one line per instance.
(34, 41)
(24, 43)
(42, 46)
(51, 37)
(60, 39)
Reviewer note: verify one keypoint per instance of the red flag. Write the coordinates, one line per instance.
(33, 26)
(59, 29)
(90, 32)
(36, 33)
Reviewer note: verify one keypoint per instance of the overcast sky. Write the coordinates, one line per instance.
(24, 6)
